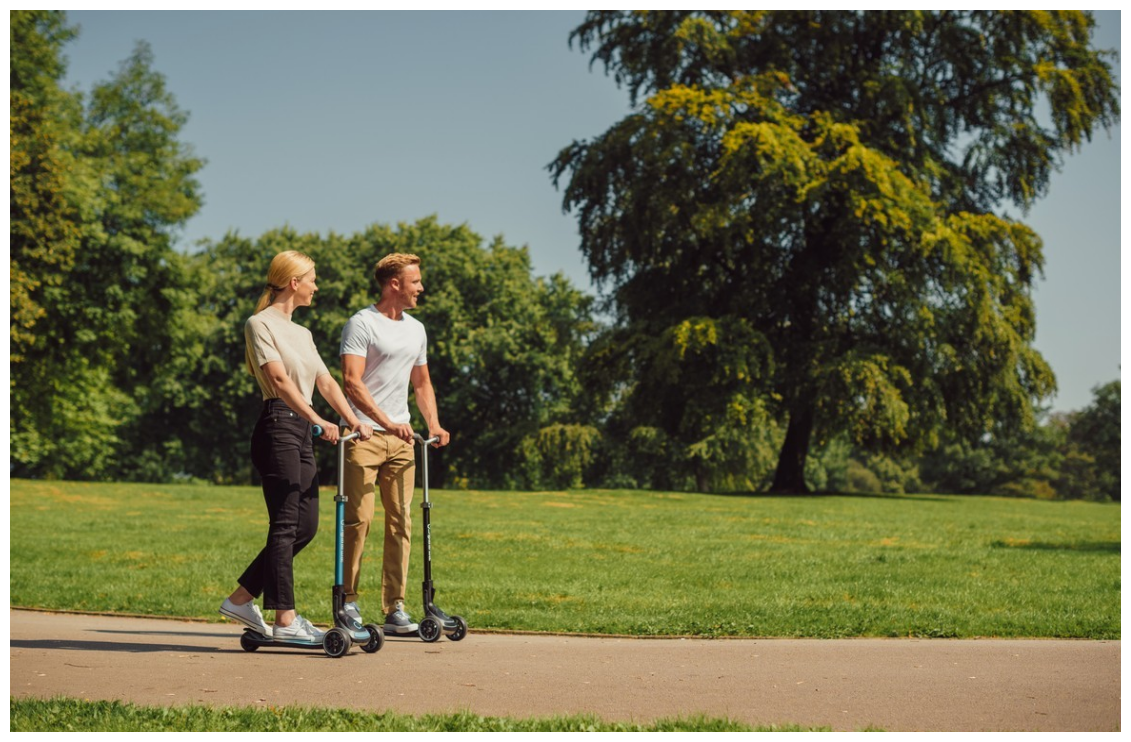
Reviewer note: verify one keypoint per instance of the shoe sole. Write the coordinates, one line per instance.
(312, 641)
(401, 630)
(241, 620)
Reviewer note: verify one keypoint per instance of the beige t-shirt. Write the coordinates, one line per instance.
(272, 336)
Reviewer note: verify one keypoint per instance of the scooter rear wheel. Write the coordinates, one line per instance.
(247, 643)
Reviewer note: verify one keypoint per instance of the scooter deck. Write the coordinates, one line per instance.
(250, 636)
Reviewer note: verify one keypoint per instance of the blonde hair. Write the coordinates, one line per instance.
(284, 266)
(390, 267)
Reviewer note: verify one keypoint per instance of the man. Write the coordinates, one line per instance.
(383, 351)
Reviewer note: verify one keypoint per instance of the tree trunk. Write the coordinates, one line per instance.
(789, 478)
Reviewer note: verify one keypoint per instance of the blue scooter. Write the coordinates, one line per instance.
(345, 632)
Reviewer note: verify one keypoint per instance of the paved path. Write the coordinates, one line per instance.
(897, 685)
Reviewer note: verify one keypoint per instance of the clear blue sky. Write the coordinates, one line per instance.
(331, 121)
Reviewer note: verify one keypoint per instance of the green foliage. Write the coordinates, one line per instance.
(1091, 468)
(1073, 456)
(557, 457)
(1011, 461)
(611, 562)
(97, 294)
(1096, 433)
(700, 420)
(44, 204)
(831, 182)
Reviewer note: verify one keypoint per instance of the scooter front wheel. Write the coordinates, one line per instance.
(376, 638)
(336, 642)
(430, 629)
(460, 630)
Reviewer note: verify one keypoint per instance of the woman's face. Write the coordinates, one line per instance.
(305, 286)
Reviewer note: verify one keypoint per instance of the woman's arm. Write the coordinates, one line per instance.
(332, 393)
(276, 373)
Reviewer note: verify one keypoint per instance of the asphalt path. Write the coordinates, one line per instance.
(854, 684)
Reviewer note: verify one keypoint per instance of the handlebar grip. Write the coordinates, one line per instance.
(426, 441)
(317, 431)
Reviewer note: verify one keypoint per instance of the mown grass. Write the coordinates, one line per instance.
(611, 562)
(68, 715)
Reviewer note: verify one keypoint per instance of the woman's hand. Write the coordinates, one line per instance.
(330, 432)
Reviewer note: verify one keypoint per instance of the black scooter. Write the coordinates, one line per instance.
(435, 621)
(345, 633)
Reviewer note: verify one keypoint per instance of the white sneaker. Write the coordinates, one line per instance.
(317, 632)
(354, 615)
(248, 614)
(300, 630)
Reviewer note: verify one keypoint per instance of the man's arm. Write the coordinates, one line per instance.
(353, 367)
(426, 402)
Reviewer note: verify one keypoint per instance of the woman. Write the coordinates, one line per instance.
(282, 357)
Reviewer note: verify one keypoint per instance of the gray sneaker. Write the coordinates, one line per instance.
(248, 614)
(354, 616)
(399, 622)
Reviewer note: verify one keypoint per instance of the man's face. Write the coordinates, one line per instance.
(408, 286)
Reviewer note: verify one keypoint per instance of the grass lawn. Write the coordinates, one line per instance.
(65, 715)
(619, 562)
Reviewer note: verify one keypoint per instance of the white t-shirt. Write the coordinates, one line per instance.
(391, 349)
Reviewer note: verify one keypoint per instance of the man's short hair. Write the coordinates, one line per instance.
(390, 267)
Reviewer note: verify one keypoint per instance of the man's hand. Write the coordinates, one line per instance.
(443, 435)
(404, 432)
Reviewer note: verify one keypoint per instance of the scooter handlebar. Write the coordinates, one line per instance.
(426, 441)
(317, 430)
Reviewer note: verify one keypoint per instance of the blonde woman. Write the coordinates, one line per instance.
(282, 357)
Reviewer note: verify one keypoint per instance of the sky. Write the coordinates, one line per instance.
(333, 121)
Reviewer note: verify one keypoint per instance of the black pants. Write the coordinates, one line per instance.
(283, 454)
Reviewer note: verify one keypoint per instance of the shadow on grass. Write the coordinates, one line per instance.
(829, 494)
(1103, 547)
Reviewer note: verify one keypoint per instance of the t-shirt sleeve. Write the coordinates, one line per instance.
(422, 358)
(354, 340)
(261, 342)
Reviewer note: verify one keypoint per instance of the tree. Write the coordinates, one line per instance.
(97, 289)
(44, 121)
(712, 431)
(834, 182)
(1092, 459)
(1020, 462)
(44, 203)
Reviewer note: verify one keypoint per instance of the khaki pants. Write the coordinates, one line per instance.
(387, 463)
